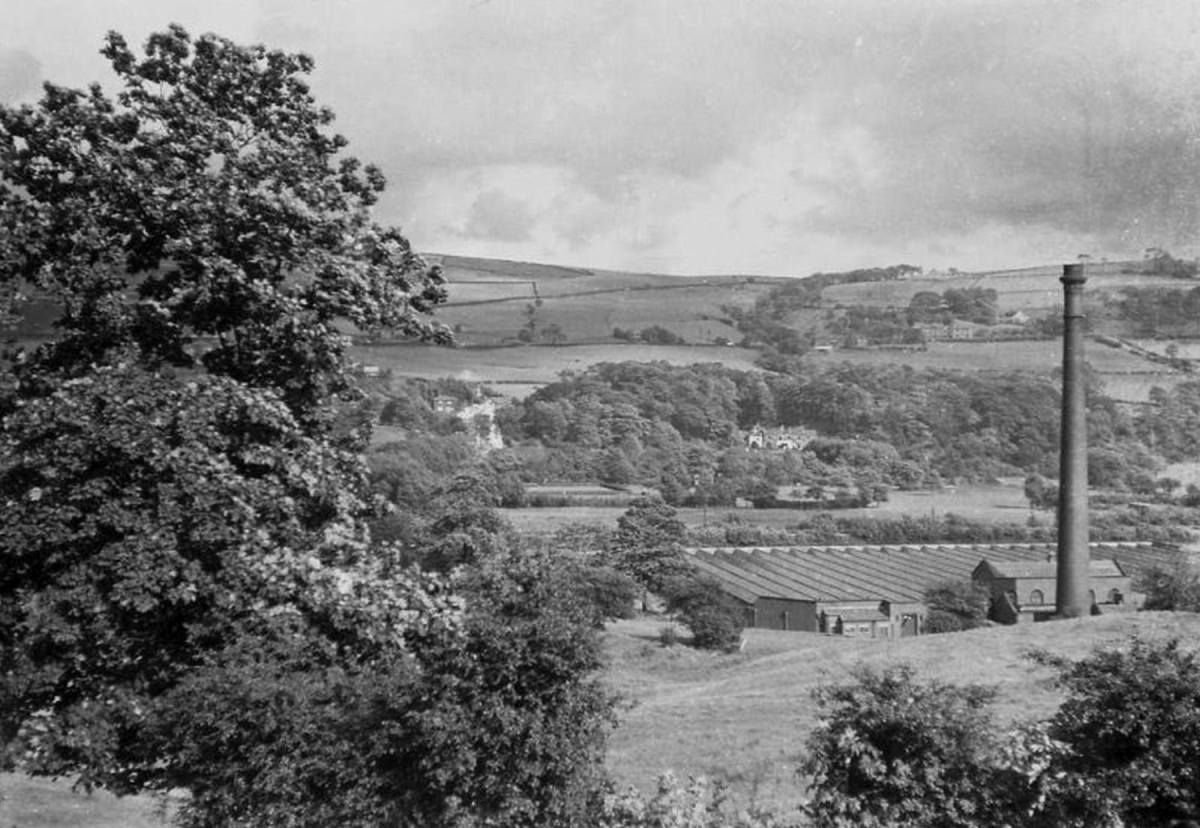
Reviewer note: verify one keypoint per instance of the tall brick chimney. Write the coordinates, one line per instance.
(1071, 594)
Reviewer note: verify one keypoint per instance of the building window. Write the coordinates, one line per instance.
(1036, 597)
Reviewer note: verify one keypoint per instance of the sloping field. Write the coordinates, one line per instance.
(489, 299)
(1026, 289)
(693, 311)
(46, 803)
(1032, 355)
(517, 370)
(745, 717)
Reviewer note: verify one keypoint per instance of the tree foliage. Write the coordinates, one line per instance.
(891, 750)
(715, 619)
(1175, 588)
(190, 597)
(957, 605)
(1131, 734)
(205, 216)
(648, 544)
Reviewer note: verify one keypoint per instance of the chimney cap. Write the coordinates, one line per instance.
(1073, 274)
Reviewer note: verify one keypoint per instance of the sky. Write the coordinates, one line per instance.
(774, 137)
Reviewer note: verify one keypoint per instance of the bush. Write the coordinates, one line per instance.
(1169, 588)
(1131, 734)
(607, 592)
(701, 803)
(894, 751)
(956, 605)
(940, 621)
(715, 619)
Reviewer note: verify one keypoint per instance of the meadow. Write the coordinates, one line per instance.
(1026, 289)
(516, 371)
(994, 504)
(744, 717)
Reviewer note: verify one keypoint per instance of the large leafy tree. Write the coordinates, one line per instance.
(648, 544)
(178, 513)
(205, 216)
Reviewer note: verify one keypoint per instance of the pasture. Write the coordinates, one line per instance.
(489, 301)
(744, 717)
(50, 803)
(516, 370)
(1027, 289)
(992, 504)
(1126, 376)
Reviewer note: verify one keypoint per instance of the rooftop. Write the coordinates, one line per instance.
(897, 573)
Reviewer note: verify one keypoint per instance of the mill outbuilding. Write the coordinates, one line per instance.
(878, 591)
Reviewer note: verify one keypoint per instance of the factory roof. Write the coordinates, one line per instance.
(896, 573)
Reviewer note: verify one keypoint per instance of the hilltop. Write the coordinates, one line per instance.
(519, 324)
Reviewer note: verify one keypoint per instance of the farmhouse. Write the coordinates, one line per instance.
(779, 439)
(878, 591)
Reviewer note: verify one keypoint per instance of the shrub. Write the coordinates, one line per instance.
(894, 751)
(1169, 588)
(1131, 733)
(715, 619)
(608, 593)
(700, 803)
(956, 605)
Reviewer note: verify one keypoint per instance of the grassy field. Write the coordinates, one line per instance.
(994, 504)
(518, 371)
(45, 803)
(526, 367)
(489, 298)
(742, 718)
(745, 717)
(1027, 289)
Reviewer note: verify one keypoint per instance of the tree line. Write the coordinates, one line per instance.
(682, 429)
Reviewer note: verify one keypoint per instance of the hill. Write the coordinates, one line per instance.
(520, 324)
(745, 717)
(490, 301)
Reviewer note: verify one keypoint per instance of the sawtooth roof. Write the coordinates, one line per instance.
(898, 573)
(1097, 568)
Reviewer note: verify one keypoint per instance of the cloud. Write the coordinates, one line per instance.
(696, 135)
(20, 75)
(497, 216)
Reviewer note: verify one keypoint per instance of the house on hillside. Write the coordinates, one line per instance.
(879, 591)
(779, 439)
(445, 404)
(1024, 591)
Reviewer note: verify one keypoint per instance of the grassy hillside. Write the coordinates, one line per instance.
(745, 717)
(491, 299)
(45, 803)
(741, 717)
(1030, 288)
